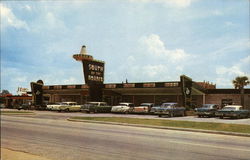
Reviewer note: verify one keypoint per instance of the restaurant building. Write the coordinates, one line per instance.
(186, 92)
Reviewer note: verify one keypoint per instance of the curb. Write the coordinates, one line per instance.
(163, 127)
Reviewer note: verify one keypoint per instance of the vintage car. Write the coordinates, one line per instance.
(123, 108)
(69, 106)
(207, 110)
(143, 108)
(96, 107)
(24, 106)
(65, 106)
(53, 106)
(170, 109)
(233, 111)
(153, 109)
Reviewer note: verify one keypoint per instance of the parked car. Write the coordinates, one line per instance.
(69, 106)
(123, 108)
(65, 106)
(207, 110)
(25, 106)
(143, 108)
(170, 109)
(96, 107)
(233, 111)
(153, 109)
(54, 106)
(2, 105)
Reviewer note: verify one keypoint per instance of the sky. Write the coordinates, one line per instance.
(139, 40)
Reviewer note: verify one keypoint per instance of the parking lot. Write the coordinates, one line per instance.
(65, 115)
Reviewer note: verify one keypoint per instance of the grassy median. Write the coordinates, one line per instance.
(174, 123)
(15, 112)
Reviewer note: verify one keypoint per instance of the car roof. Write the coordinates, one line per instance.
(170, 103)
(125, 103)
(235, 106)
(68, 102)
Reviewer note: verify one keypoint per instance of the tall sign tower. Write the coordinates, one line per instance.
(93, 71)
(186, 87)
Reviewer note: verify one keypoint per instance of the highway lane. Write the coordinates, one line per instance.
(64, 140)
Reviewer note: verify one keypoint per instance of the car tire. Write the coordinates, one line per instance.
(160, 115)
(221, 117)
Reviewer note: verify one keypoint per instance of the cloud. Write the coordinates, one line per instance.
(27, 7)
(225, 75)
(234, 70)
(156, 47)
(217, 13)
(171, 3)
(231, 47)
(10, 20)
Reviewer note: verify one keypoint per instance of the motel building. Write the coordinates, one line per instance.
(185, 92)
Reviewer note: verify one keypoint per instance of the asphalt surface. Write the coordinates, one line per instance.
(65, 115)
(59, 139)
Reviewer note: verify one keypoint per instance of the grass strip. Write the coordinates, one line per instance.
(15, 112)
(239, 128)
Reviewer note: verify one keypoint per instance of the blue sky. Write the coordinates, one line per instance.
(140, 40)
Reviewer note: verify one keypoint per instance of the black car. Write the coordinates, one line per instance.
(170, 109)
(207, 110)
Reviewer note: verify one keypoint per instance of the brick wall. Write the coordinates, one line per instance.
(217, 99)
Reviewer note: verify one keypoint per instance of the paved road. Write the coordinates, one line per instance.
(60, 139)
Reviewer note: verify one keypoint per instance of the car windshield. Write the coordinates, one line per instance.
(229, 108)
(123, 104)
(168, 105)
(144, 104)
(207, 106)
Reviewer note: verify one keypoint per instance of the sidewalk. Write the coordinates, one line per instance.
(7, 154)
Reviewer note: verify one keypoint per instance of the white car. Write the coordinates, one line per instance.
(65, 106)
(123, 108)
(143, 108)
(53, 107)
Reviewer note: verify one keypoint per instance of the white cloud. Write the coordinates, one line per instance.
(10, 20)
(131, 59)
(234, 70)
(155, 46)
(27, 7)
(152, 71)
(71, 80)
(172, 3)
(229, 24)
(231, 47)
(225, 75)
(217, 12)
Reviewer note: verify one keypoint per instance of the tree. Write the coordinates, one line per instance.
(239, 83)
(4, 92)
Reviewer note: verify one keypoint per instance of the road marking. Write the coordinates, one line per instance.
(211, 146)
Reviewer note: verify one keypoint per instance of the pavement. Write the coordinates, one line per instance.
(164, 127)
(58, 139)
(8, 154)
(66, 115)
